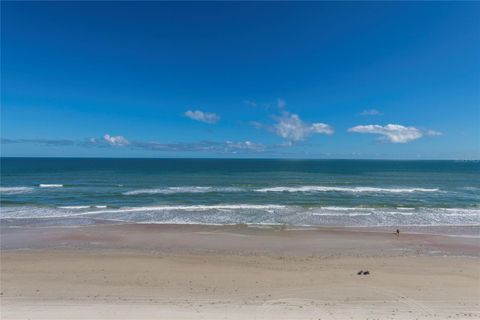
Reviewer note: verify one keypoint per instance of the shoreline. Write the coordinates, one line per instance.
(211, 272)
(410, 236)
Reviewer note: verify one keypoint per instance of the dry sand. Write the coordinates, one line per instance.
(194, 272)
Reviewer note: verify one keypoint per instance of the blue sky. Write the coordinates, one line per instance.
(302, 80)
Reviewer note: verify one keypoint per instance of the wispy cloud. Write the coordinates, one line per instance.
(258, 125)
(202, 146)
(281, 104)
(118, 141)
(108, 141)
(207, 117)
(394, 133)
(432, 133)
(371, 112)
(255, 104)
(250, 103)
(48, 142)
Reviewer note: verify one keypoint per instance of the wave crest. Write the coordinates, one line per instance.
(50, 185)
(15, 190)
(345, 189)
(172, 190)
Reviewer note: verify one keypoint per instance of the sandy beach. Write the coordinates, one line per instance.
(200, 272)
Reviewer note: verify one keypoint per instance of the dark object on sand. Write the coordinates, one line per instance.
(366, 273)
(398, 232)
(360, 272)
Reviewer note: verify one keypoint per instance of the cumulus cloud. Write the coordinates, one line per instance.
(394, 133)
(201, 116)
(115, 140)
(371, 112)
(290, 127)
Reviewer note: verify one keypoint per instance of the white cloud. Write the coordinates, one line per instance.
(371, 112)
(432, 133)
(394, 133)
(290, 127)
(115, 140)
(201, 116)
(244, 146)
(203, 146)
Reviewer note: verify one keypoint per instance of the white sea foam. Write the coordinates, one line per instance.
(470, 188)
(187, 189)
(403, 213)
(15, 190)
(198, 189)
(340, 214)
(344, 189)
(80, 207)
(192, 208)
(345, 208)
(50, 185)
(251, 214)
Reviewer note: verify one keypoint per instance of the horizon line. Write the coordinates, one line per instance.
(245, 158)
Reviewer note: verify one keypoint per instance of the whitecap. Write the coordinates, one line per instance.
(50, 185)
(344, 189)
(403, 213)
(340, 214)
(81, 207)
(192, 208)
(186, 189)
(15, 190)
(345, 208)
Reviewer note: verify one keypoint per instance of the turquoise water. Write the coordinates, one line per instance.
(46, 191)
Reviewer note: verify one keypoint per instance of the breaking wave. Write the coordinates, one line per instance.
(345, 189)
(15, 190)
(172, 190)
(80, 207)
(251, 214)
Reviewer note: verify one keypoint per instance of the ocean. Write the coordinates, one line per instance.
(255, 192)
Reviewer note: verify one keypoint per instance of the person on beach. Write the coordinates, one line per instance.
(398, 233)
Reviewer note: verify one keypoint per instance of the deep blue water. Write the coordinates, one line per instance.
(46, 191)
